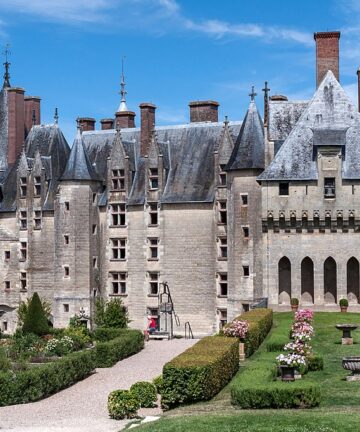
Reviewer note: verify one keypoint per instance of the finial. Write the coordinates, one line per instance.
(33, 118)
(252, 94)
(266, 91)
(6, 54)
(56, 116)
(78, 125)
(226, 121)
(123, 92)
(117, 127)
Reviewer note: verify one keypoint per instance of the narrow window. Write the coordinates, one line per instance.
(94, 229)
(4, 326)
(118, 283)
(246, 271)
(153, 178)
(246, 232)
(66, 271)
(153, 248)
(118, 248)
(66, 239)
(118, 214)
(118, 179)
(23, 220)
(353, 189)
(222, 247)
(95, 263)
(222, 176)
(66, 307)
(23, 187)
(222, 318)
(153, 283)
(94, 196)
(222, 211)
(67, 205)
(7, 255)
(284, 188)
(23, 251)
(23, 281)
(153, 214)
(244, 199)
(7, 285)
(223, 285)
(37, 186)
(329, 187)
(37, 219)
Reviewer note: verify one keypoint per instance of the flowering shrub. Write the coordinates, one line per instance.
(237, 329)
(292, 359)
(304, 315)
(302, 330)
(298, 347)
(59, 347)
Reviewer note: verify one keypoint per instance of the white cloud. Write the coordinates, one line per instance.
(352, 91)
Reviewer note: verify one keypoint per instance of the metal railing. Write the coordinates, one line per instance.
(188, 331)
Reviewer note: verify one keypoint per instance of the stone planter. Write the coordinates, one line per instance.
(294, 308)
(241, 352)
(346, 336)
(352, 364)
(343, 309)
(287, 373)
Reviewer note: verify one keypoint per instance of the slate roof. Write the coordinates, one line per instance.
(329, 112)
(249, 149)
(78, 166)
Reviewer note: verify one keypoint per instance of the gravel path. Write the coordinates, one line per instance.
(83, 406)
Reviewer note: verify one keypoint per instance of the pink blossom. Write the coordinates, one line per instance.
(304, 315)
(237, 329)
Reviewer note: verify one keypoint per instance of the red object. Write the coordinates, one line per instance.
(152, 323)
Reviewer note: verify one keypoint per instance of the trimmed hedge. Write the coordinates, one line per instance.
(276, 343)
(200, 372)
(257, 388)
(122, 404)
(145, 392)
(105, 334)
(36, 383)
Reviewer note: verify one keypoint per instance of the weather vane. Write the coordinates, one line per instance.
(6, 53)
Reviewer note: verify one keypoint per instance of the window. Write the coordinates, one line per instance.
(94, 229)
(222, 176)
(4, 326)
(66, 239)
(222, 212)
(246, 232)
(118, 283)
(23, 281)
(23, 187)
(118, 179)
(222, 247)
(153, 248)
(94, 196)
(222, 284)
(284, 188)
(95, 262)
(117, 214)
(244, 199)
(37, 219)
(222, 318)
(37, 186)
(23, 219)
(67, 205)
(23, 251)
(66, 307)
(329, 187)
(246, 270)
(118, 248)
(153, 178)
(7, 255)
(154, 283)
(153, 214)
(7, 285)
(66, 271)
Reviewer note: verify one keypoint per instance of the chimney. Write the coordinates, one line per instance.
(358, 75)
(147, 112)
(125, 119)
(107, 123)
(87, 123)
(32, 112)
(327, 54)
(204, 111)
(16, 122)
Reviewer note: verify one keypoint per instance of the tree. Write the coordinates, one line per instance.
(110, 314)
(35, 320)
(24, 306)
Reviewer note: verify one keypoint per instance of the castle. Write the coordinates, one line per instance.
(230, 214)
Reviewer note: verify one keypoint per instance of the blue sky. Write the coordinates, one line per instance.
(69, 52)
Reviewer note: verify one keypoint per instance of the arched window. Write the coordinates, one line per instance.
(284, 270)
(307, 280)
(330, 281)
(352, 275)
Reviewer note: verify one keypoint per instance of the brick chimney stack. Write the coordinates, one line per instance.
(147, 111)
(87, 123)
(125, 119)
(204, 111)
(107, 123)
(327, 54)
(32, 106)
(16, 122)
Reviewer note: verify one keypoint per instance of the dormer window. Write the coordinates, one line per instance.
(37, 186)
(284, 188)
(153, 178)
(23, 187)
(118, 179)
(222, 176)
(329, 187)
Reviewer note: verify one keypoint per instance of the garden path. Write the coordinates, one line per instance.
(83, 406)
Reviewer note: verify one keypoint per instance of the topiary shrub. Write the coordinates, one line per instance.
(111, 314)
(158, 383)
(294, 301)
(343, 302)
(35, 320)
(315, 363)
(145, 392)
(122, 404)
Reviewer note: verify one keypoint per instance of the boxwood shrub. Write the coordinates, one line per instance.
(257, 387)
(145, 392)
(200, 372)
(123, 404)
(315, 363)
(105, 334)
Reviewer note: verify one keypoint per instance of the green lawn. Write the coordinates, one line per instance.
(339, 409)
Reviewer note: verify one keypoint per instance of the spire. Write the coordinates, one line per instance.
(6, 53)
(252, 94)
(123, 92)
(266, 103)
(56, 116)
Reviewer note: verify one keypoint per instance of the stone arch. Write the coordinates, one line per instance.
(307, 281)
(330, 280)
(284, 272)
(352, 279)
